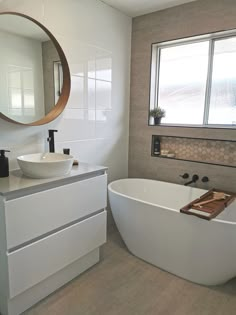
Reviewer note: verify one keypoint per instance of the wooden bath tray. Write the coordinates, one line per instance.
(211, 209)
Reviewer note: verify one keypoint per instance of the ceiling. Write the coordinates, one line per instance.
(139, 7)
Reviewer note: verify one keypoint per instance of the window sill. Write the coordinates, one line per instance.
(229, 127)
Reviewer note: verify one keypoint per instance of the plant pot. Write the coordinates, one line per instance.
(157, 120)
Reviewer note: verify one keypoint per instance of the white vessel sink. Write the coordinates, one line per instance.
(45, 165)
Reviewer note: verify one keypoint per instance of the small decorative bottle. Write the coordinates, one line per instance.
(156, 146)
(4, 164)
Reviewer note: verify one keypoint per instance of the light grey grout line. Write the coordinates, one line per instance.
(84, 108)
(87, 77)
(83, 140)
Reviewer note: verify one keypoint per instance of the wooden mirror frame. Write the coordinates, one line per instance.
(62, 101)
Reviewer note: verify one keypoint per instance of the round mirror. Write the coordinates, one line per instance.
(34, 73)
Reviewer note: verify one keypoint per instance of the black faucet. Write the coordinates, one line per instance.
(205, 179)
(184, 176)
(194, 179)
(50, 139)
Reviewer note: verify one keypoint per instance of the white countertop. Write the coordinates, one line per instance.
(17, 184)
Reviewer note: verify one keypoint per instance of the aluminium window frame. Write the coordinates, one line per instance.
(155, 72)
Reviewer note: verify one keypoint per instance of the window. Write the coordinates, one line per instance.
(58, 80)
(194, 80)
(21, 91)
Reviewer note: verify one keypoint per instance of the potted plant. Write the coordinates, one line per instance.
(157, 113)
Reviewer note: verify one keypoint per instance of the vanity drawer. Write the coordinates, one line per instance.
(37, 261)
(34, 215)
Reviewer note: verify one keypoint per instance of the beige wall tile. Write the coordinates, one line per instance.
(199, 17)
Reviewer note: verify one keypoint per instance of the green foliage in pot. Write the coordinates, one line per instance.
(157, 112)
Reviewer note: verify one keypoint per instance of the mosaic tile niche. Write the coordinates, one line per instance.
(210, 151)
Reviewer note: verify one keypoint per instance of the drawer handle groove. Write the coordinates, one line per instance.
(13, 249)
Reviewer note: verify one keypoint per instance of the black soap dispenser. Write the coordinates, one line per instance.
(4, 165)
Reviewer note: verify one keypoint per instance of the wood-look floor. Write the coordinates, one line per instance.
(122, 284)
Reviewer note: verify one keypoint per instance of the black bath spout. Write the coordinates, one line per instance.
(50, 139)
(194, 179)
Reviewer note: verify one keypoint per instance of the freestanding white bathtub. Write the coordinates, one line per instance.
(147, 215)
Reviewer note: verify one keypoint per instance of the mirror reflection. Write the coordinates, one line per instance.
(30, 70)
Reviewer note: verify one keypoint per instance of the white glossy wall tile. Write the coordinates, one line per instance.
(33, 8)
(77, 124)
(89, 151)
(104, 123)
(77, 94)
(103, 94)
(96, 40)
(90, 21)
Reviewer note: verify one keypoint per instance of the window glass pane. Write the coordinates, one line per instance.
(29, 99)
(15, 98)
(182, 82)
(91, 69)
(58, 80)
(14, 79)
(103, 94)
(28, 78)
(91, 93)
(223, 90)
(103, 69)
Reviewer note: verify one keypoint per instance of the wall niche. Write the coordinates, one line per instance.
(208, 151)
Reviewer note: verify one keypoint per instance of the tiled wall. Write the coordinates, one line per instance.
(203, 150)
(96, 40)
(198, 17)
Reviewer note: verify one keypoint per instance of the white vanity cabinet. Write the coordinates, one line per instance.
(50, 232)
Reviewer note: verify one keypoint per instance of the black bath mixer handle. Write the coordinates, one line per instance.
(184, 176)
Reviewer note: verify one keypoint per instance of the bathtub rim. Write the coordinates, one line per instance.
(156, 205)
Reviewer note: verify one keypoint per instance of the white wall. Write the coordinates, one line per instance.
(18, 52)
(95, 123)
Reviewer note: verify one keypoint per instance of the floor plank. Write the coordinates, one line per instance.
(122, 284)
